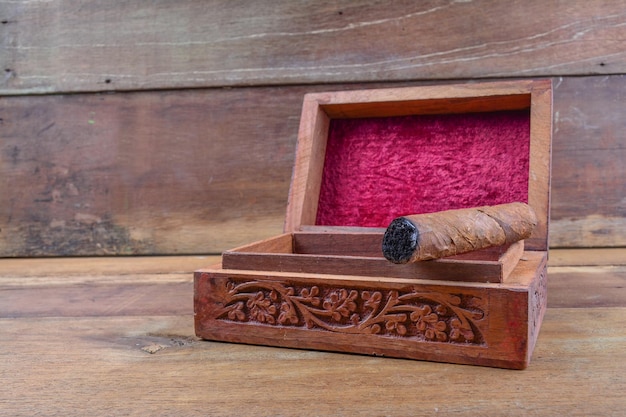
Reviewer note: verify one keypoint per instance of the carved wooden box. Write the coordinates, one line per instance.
(363, 158)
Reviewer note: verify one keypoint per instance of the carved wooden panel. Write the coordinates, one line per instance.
(408, 313)
(461, 322)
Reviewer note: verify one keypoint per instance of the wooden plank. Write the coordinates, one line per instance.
(112, 286)
(163, 285)
(589, 163)
(587, 257)
(202, 171)
(171, 293)
(64, 271)
(99, 286)
(154, 366)
(97, 46)
(587, 286)
(146, 173)
(173, 297)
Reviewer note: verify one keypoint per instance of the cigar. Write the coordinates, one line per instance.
(420, 237)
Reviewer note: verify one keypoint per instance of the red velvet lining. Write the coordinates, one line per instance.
(377, 169)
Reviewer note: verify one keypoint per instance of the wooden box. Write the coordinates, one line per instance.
(363, 158)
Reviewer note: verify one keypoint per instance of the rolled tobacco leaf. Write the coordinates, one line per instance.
(420, 237)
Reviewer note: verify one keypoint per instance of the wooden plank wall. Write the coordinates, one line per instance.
(169, 127)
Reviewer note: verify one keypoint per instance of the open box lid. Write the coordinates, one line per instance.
(365, 157)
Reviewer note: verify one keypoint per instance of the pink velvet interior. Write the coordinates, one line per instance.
(377, 169)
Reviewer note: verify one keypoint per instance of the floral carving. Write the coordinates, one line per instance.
(340, 303)
(261, 307)
(422, 315)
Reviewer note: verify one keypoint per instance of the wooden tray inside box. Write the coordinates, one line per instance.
(359, 253)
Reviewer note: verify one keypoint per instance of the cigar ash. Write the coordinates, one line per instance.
(400, 241)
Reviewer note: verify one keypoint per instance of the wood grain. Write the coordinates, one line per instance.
(603, 286)
(202, 171)
(100, 299)
(148, 365)
(144, 173)
(164, 285)
(587, 257)
(169, 293)
(589, 163)
(91, 46)
(121, 343)
(55, 271)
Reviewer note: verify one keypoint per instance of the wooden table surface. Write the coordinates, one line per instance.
(114, 336)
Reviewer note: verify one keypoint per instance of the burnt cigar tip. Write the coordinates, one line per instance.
(400, 241)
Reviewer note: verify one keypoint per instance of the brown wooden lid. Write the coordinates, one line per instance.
(320, 109)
